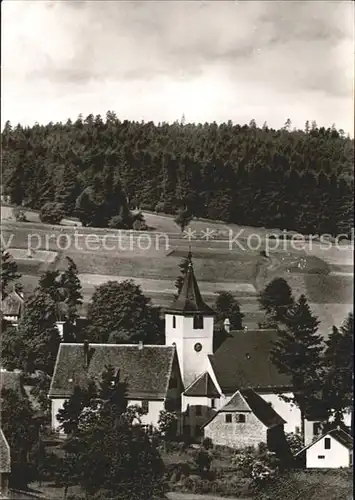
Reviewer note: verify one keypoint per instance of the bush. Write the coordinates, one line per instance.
(259, 465)
(139, 223)
(165, 207)
(295, 442)
(121, 222)
(19, 214)
(51, 213)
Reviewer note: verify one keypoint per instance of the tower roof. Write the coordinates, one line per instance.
(189, 300)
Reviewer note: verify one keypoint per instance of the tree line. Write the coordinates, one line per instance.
(98, 169)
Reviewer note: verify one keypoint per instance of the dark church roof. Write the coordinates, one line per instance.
(189, 300)
(244, 361)
(248, 401)
(5, 459)
(203, 386)
(146, 368)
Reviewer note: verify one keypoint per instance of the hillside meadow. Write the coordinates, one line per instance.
(152, 259)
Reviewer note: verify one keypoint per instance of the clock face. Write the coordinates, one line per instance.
(198, 347)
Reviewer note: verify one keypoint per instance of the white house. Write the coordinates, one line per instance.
(151, 371)
(332, 450)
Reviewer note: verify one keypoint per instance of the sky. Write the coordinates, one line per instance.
(160, 60)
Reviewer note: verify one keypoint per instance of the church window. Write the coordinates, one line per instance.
(240, 418)
(198, 410)
(145, 405)
(213, 403)
(228, 418)
(327, 443)
(198, 322)
(174, 321)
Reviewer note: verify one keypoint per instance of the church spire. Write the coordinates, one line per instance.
(189, 299)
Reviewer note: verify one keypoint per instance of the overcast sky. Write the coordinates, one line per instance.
(233, 60)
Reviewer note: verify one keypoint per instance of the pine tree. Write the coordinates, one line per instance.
(338, 376)
(70, 282)
(9, 272)
(297, 354)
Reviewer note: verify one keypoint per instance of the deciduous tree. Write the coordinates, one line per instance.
(122, 307)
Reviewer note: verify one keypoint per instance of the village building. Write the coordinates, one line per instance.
(152, 374)
(12, 307)
(247, 420)
(331, 450)
(5, 465)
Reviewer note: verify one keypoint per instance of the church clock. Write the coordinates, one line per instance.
(198, 347)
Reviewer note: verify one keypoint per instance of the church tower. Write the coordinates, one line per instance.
(189, 325)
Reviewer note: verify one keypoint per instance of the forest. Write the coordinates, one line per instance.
(99, 169)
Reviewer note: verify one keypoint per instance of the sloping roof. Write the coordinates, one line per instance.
(5, 457)
(249, 401)
(203, 386)
(339, 434)
(147, 368)
(12, 304)
(189, 300)
(244, 361)
(12, 380)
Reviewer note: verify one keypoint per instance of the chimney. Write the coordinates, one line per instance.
(86, 353)
(60, 326)
(227, 325)
(140, 345)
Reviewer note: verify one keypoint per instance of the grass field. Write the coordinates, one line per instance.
(152, 259)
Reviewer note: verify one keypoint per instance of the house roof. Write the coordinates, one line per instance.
(12, 304)
(147, 368)
(244, 361)
(338, 434)
(5, 457)
(249, 401)
(189, 300)
(203, 386)
(12, 380)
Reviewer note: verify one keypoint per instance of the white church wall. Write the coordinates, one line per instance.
(289, 412)
(193, 361)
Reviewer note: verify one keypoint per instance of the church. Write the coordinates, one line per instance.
(185, 375)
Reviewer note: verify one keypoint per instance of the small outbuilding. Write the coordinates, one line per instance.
(332, 450)
(246, 420)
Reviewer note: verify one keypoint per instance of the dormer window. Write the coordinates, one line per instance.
(198, 322)
(174, 321)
